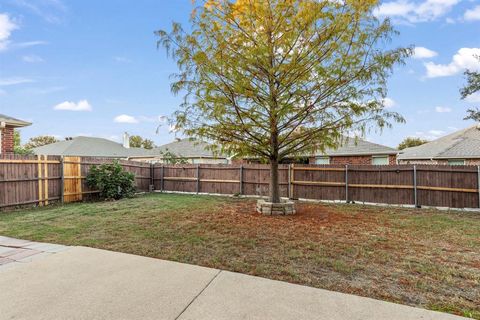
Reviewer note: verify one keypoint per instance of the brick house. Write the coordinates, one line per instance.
(7, 129)
(459, 148)
(356, 152)
(352, 151)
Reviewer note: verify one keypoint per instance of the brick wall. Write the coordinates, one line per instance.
(355, 160)
(7, 140)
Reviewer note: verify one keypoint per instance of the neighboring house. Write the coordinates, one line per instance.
(191, 150)
(85, 147)
(352, 151)
(357, 152)
(7, 129)
(187, 149)
(458, 148)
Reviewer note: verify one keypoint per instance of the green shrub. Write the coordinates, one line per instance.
(112, 181)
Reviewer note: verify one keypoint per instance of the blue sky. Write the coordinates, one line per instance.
(85, 67)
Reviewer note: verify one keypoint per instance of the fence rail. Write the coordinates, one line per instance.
(39, 180)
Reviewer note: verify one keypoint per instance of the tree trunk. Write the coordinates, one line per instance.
(274, 185)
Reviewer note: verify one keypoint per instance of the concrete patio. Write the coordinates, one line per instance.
(45, 281)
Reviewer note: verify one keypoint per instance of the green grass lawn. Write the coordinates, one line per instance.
(423, 258)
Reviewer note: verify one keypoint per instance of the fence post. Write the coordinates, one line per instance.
(161, 178)
(478, 182)
(346, 183)
(152, 177)
(291, 181)
(40, 181)
(45, 181)
(198, 178)
(241, 179)
(415, 185)
(62, 183)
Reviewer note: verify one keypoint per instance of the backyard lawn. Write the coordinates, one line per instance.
(423, 258)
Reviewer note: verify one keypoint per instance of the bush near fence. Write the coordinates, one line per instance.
(33, 180)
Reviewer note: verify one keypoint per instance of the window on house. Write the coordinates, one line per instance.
(322, 160)
(380, 160)
(456, 162)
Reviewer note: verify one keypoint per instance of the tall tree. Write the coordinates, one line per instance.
(281, 78)
(409, 142)
(472, 86)
(139, 142)
(40, 141)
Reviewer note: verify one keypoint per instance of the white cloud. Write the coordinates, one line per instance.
(465, 58)
(423, 53)
(405, 11)
(124, 118)
(443, 109)
(472, 14)
(473, 98)
(32, 58)
(81, 105)
(389, 103)
(6, 27)
(14, 80)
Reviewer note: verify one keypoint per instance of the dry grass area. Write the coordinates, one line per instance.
(423, 258)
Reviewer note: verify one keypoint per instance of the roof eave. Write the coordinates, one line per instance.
(356, 154)
(440, 158)
(17, 124)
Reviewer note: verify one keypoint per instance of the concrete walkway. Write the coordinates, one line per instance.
(86, 283)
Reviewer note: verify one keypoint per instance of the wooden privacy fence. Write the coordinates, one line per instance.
(418, 185)
(40, 180)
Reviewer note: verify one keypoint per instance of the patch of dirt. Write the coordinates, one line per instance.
(359, 250)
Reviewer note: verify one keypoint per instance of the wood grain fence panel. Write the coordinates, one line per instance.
(462, 178)
(19, 180)
(180, 178)
(319, 182)
(381, 184)
(220, 179)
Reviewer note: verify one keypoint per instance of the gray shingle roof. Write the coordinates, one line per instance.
(461, 144)
(13, 121)
(187, 148)
(99, 147)
(353, 147)
(85, 147)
